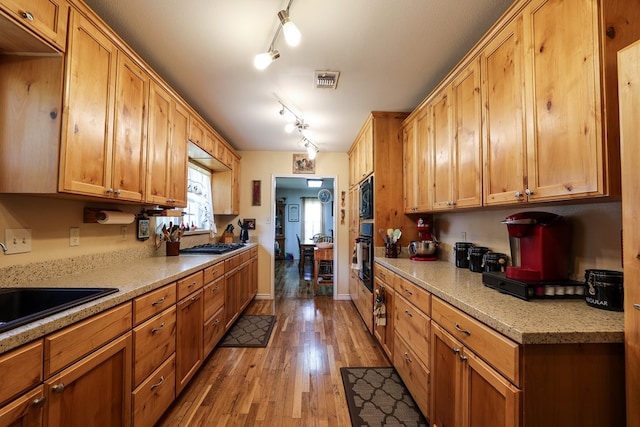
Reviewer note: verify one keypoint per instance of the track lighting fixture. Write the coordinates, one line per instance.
(297, 123)
(312, 150)
(291, 34)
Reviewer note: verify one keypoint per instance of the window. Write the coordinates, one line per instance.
(199, 212)
(312, 215)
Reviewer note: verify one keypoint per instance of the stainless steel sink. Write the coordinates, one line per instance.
(19, 306)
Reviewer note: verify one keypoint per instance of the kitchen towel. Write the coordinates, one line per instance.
(115, 217)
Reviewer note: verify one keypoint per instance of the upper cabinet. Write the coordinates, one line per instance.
(415, 150)
(46, 18)
(361, 154)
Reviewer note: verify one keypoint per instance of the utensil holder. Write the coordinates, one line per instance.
(391, 250)
(173, 248)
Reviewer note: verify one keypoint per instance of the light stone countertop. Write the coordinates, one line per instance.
(538, 321)
(131, 279)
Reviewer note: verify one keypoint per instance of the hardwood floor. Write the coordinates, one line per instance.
(295, 380)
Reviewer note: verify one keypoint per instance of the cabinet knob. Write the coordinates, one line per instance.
(518, 195)
(109, 190)
(408, 313)
(636, 306)
(118, 192)
(39, 402)
(463, 357)
(407, 358)
(455, 350)
(58, 388)
(28, 16)
(408, 292)
(528, 192)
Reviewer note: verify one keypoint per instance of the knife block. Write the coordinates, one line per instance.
(227, 237)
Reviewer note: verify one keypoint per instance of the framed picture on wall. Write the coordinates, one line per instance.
(294, 213)
(303, 164)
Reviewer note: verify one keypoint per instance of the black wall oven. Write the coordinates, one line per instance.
(365, 240)
(366, 199)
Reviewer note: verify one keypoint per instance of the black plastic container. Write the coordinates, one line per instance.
(495, 261)
(604, 289)
(476, 258)
(461, 251)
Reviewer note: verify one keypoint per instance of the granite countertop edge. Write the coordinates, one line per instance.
(542, 321)
(132, 280)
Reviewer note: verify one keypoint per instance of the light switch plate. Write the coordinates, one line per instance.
(17, 240)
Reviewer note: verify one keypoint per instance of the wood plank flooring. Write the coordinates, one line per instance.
(295, 380)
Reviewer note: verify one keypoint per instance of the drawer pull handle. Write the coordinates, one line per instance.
(28, 16)
(158, 329)
(463, 357)
(160, 301)
(215, 288)
(464, 331)
(158, 384)
(216, 322)
(39, 402)
(408, 313)
(58, 388)
(456, 350)
(407, 358)
(636, 306)
(191, 285)
(408, 291)
(196, 298)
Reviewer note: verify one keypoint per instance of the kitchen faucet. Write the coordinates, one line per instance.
(4, 248)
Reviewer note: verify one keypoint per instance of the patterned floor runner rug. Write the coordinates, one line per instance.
(249, 331)
(378, 397)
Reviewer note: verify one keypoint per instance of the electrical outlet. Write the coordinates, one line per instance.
(123, 232)
(463, 236)
(17, 240)
(74, 236)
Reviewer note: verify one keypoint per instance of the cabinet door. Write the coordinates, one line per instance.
(489, 399)
(384, 330)
(158, 171)
(504, 131)
(94, 391)
(178, 159)
(629, 83)
(442, 142)
(467, 148)
(446, 378)
(231, 292)
(46, 17)
(564, 134)
(130, 130)
(189, 338)
(365, 150)
(409, 165)
(25, 411)
(89, 103)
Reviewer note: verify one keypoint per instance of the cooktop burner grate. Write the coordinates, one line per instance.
(212, 248)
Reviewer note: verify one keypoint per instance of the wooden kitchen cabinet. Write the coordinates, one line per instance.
(167, 149)
(629, 84)
(361, 154)
(154, 395)
(96, 390)
(21, 370)
(25, 411)
(47, 18)
(466, 391)
(189, 339)
(383, 326)
(197, 132)
(214, 299)
(226, 198)
(417, 185)
(154, 341)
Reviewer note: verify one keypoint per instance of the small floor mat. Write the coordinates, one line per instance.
(249, 331)
(378, 397)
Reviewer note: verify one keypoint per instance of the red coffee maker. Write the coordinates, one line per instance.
(540, 245)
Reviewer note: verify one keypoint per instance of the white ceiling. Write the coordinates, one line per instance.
(390, 55)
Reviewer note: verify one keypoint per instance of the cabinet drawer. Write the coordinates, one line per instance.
(73, 342)
(213, 297)
(231, 263)
(254, 252)
(48, 18)
(153, 303)
(384, 274)
(25, 411)
(245, 256)
(154, 395)
(214, 329)
(21, 369)
(153, 342)
(414, 327)
(414, 294)
(413, 372)
(500, 352)
(213, 272)
(189, 284)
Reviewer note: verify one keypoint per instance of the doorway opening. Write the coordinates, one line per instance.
(304, 215)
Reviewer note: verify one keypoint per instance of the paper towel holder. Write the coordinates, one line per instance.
(92, 215)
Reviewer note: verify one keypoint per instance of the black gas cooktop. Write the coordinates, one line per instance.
(212, 248)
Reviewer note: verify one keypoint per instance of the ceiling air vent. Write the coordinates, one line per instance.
(327, 79)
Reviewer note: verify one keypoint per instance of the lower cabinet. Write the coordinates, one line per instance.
(151, 398)
(96, 390)
(188, 338)
(414, 373)
(25, 411)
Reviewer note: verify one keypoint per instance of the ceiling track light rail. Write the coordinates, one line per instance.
(297, 123)
(291, 34)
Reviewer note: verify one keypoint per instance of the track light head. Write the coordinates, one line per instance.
(263, 60)
(291, 33)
